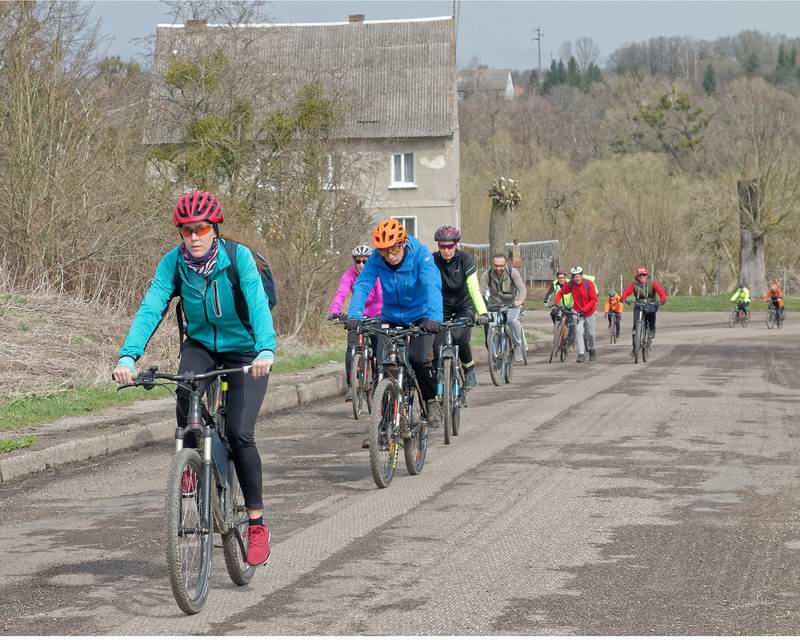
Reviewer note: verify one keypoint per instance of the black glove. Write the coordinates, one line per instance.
(482, 319)
(430, 326)
(352, 324)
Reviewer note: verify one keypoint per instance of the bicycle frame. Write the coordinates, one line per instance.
(449, 350)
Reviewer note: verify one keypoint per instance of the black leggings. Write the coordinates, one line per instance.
(461, 337)
(245, 395)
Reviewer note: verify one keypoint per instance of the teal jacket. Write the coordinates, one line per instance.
(208, 306)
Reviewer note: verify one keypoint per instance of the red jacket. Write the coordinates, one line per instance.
(657, 289)
(584, 296)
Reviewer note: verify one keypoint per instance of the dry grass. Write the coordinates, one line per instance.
(49, 343)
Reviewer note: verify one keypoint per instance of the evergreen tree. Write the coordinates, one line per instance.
(592, 75)
(550, 78)
(710, 81)
(752, 63)
(561, 72)
(573, 77)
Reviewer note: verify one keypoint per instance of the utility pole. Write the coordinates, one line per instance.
(538, 39)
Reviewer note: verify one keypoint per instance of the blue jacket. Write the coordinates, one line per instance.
(208, 306)
(410, 293)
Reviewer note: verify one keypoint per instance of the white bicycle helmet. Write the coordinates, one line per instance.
(362, 251)
(575, 271)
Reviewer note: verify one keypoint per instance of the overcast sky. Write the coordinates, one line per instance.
(500, 33)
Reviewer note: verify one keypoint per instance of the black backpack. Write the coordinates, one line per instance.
(267, 281)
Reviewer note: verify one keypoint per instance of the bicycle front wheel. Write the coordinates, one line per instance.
(637, 342)
(383, 436)
(459, 392)
(734, 318)
(770, 318)
(415, 448)
(495, 356)
(189, 547)
(357, 384)
(234, 539)
(447, 399)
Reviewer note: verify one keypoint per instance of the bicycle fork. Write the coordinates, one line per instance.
(194, 423)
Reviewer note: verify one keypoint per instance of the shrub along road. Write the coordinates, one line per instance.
(608, 498)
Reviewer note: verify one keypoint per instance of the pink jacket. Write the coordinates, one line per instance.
(374, 300)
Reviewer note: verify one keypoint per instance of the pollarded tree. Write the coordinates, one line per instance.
(505, 197)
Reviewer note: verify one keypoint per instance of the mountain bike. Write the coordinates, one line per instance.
(400, 417)
(775, 316)
(362, 370)
(642, 340)
(501, 346)
(450, 388)
(563, 332)
(202, 492)
(739, 316)
(612, 328)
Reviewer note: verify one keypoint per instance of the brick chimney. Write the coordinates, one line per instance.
(356, 17)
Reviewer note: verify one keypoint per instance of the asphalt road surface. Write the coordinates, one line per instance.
(603, 498)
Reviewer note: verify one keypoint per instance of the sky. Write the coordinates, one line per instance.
(498, 33)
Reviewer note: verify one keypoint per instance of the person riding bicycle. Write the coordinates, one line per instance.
(503, 286)
(555, 286)
(461, 294)
(644, 289)
(614, 308)
(372, 308)
(742, 298)
(215, 336)
(584, 302)
(412, 295)
(775, 297)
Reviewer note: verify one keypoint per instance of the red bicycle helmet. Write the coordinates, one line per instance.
(447, 234)
(197, 206)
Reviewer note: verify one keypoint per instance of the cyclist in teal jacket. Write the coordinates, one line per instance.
(215, 336)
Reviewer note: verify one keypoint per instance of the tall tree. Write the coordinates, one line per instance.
(710, 81)
(586, 52)
(573, 77)
(505, 197)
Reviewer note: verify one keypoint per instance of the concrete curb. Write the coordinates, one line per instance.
(279, 398)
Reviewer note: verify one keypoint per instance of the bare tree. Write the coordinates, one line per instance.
(586, 52)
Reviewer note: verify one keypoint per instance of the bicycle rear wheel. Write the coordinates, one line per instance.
(612, 330)
(779, 319)
(415, 448)
(368, 383)
(357, 384)
(383, 436)
(558, 332)
(236, 522)
(447, 399)
(746, 318)
(189, 549)
(495, 356)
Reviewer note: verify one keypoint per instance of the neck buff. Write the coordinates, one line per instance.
(204, 264)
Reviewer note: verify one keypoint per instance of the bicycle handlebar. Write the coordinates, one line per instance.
(148, 377)
(393, 332)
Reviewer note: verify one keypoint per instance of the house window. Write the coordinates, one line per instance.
(403, 170)
(410, 224)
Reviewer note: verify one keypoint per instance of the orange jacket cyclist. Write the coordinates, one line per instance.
(614, 308)
(643, 288)
(215, 336)
(775, 296)
(412, 295)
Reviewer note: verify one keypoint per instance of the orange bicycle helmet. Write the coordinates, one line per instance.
(388, 233)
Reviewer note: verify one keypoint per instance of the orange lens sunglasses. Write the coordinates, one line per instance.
(202, 230)
(393, 250)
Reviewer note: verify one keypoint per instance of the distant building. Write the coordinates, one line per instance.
(484, 82)
(400, 77)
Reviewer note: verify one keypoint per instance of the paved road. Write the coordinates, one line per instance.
(592, 499)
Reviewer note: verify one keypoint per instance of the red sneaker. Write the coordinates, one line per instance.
(188, 482)
(258, 537)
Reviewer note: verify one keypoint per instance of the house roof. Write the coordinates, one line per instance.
(398, 76)
(483, 79)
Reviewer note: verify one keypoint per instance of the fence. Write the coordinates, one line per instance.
(539, 258)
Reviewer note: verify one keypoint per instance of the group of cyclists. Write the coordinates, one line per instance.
(774, 296)
(228, 323)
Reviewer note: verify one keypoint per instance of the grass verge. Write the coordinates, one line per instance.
(719, 303)
(49, 406)
(7, 445)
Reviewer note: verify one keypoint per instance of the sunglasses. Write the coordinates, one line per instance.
(202, 230)
(360, 260)
(447, 246)
(393, 250)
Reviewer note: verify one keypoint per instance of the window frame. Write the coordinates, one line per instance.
(403, 220)
(403, 183)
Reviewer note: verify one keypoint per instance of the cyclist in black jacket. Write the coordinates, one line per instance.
(461, 296)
